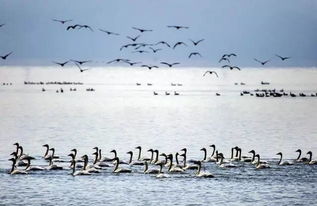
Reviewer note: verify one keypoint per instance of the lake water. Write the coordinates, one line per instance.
(121, 115)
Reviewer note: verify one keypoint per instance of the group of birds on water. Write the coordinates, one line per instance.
(158, 162)
(145, 48)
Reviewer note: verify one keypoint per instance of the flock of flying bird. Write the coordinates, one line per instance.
(171, 162)
(142, 48)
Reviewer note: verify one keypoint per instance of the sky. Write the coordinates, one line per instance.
(251, 29)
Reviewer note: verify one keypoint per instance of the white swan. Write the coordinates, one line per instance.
(280, 161)
(32, 168)
(120, 170)
(14, 170)
(260, 165)
(161, 174)
(88, 168)
(303, 159)
(223, 164)
(311, 162)
(203, 174)
(131, 162)
(188, 166)
(52, 166)
(149, 171)
(80, 172)
(172, 168)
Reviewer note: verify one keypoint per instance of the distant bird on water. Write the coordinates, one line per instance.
(194, 54)
(141, 30)
(178, 27)
(61, 63)
(62, 21)
(170, 65)
(133, 38)
(5, 56)
(211, 72)
(109, 32)
(178, 44)
(263, 63)
(196, 42)
(282, 58)
(231, 67)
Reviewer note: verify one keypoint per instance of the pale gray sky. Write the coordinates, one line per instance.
(252, 29)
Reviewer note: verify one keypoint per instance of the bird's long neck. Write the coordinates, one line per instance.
(139, 155)
(184, 160)
(131, 156)
(17, 150)
(72, 162)
(221, 160)
(161, 168)
(21, 149)
(13, 166)
(199, 168)
(232, 153)
(96, 158)
(300, 153)
(258, 163)
(146, 166)
(51, 162)
(28, 164)
(99, 152)
(152, 156)
(176, 158)
(310, 157)
(116, 165)
(213, 152)
(217, 157)
(74, 166)
(156, 157)
(85, 163)
(279, 162)
(240, 154)
(237, 153)
(115, 153)
(253, 156)
(47, 149)
(171, 164)
(205, 154)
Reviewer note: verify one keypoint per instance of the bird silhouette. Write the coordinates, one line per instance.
(224, 59)
(231, 67)
(155, 50)
(149, 66)
(118, 60)
(263, 63)
(194, 54)
(229, 55)
(178, 44)
(62, 21)
(73, 27)
(170, 65)
(140, 51)
(196, 42)
(282, 58)
(178, 27)
(210, 72)
(1, 25)
(80, 62)
(133, 38)
(5, 56)
(109, 32)
(141, 30)
(62, 64)
(80, 69)
(163, 42)
(86, 27)
(132, 63)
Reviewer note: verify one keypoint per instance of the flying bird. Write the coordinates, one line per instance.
(194, 54)
(224, 59)
(86, 27)
(229, 55)
(62, 21)
(178, 27)
(282, 58)
(231, 67)
(73, 26)
(62, 64)
(1, 25)
(179, 43)
(210, 72)
(196, 42)
(155, 50)
(132, 63)
(263, 63)
(170, 65)
(133, 39)
(118, 60)
(5, 56)
(141, 30)
(80, 69)
(140, 51)
(163, 42)
(109, 32)
(149, 66)
(80, 62)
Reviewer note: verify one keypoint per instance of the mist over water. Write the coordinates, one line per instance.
(121, 115)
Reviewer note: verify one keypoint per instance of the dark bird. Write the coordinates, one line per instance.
(224, 59)
(1, 25)
(229, 55)
(80, 62)
(170, 65)
(5, 56)
(282, 58)
(132, 63)
(178, 27)
(118, 60)
(196, 42)
(263, 63)
(155, 50)
(141, 30)
(86, 27)
(80, 69)
(128, 45)
(194, 54)
(73, 26)
(163, 42)
(61, 63)
(133, 39)
(179, 43)
(149, 66)
(140, 51)
(109, 32)
(231, 67)
(62, 21)
(210, 72)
